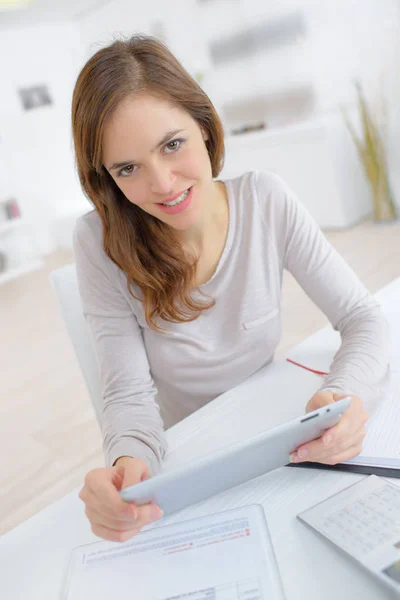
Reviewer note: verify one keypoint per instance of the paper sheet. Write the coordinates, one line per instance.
(226, 556)
(382, 443)
(393, 318)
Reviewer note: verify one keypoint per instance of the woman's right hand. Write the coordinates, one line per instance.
(111, 517)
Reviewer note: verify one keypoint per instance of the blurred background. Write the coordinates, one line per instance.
(307, 89)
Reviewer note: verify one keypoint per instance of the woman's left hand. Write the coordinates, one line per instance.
(339, 443)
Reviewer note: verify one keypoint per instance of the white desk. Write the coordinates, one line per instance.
(34, 556)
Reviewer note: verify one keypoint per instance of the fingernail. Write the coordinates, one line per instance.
(156, 513)
(294, 458)
(326, 440)
(303, 452)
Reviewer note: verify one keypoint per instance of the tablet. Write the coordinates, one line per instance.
(235, 464)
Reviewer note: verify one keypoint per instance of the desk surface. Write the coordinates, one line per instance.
(34, 556)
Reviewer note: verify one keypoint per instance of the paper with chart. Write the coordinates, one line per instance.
(227, 556)
(381, 447)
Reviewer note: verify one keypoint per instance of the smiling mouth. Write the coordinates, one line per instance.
(178, 200)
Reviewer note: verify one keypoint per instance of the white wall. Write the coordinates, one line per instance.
(36, 145)
(36, 153)
(175, 21)
(359, 39)
(351, 39)
(346, 38)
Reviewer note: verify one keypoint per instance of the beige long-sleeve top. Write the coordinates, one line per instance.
(192, 363)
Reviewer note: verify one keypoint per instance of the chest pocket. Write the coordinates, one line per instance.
(271, 314)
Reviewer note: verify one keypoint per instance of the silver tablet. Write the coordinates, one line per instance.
(235, 464)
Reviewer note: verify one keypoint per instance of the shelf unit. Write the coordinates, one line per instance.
(10, 274)
(6, 226)
(14, 227)
(250, 46)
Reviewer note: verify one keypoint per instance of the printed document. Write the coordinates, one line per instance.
(381, 447)
(227, 556)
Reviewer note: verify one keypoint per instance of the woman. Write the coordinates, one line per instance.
(180, 273)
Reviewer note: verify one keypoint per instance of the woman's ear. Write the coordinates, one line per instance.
(205, 135)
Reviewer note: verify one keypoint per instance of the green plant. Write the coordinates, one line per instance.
(371, 150)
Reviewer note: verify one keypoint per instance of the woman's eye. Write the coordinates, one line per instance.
(125, 171)
(173, 146)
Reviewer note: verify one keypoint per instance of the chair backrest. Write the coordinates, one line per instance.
(65, 285)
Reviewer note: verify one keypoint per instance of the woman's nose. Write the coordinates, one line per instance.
(162, 181)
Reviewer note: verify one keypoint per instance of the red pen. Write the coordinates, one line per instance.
(322, 373)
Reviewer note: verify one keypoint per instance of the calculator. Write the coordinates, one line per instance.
(364, 521)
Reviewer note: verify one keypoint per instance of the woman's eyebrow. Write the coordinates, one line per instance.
(164, 140)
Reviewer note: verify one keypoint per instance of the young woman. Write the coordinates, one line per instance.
(180, 273)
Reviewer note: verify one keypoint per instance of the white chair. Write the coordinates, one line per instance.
(65, 285)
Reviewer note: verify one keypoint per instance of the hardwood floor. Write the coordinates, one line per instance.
(48, 432)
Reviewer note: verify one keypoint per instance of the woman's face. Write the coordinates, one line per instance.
(156, 154)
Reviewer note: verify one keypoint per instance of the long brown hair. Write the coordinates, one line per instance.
(140, 244)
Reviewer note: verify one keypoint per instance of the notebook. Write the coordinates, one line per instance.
(224, 556)
(364, 522)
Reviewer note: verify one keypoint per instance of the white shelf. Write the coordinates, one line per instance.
(312, 128)
(14, 273)
(10, 225)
